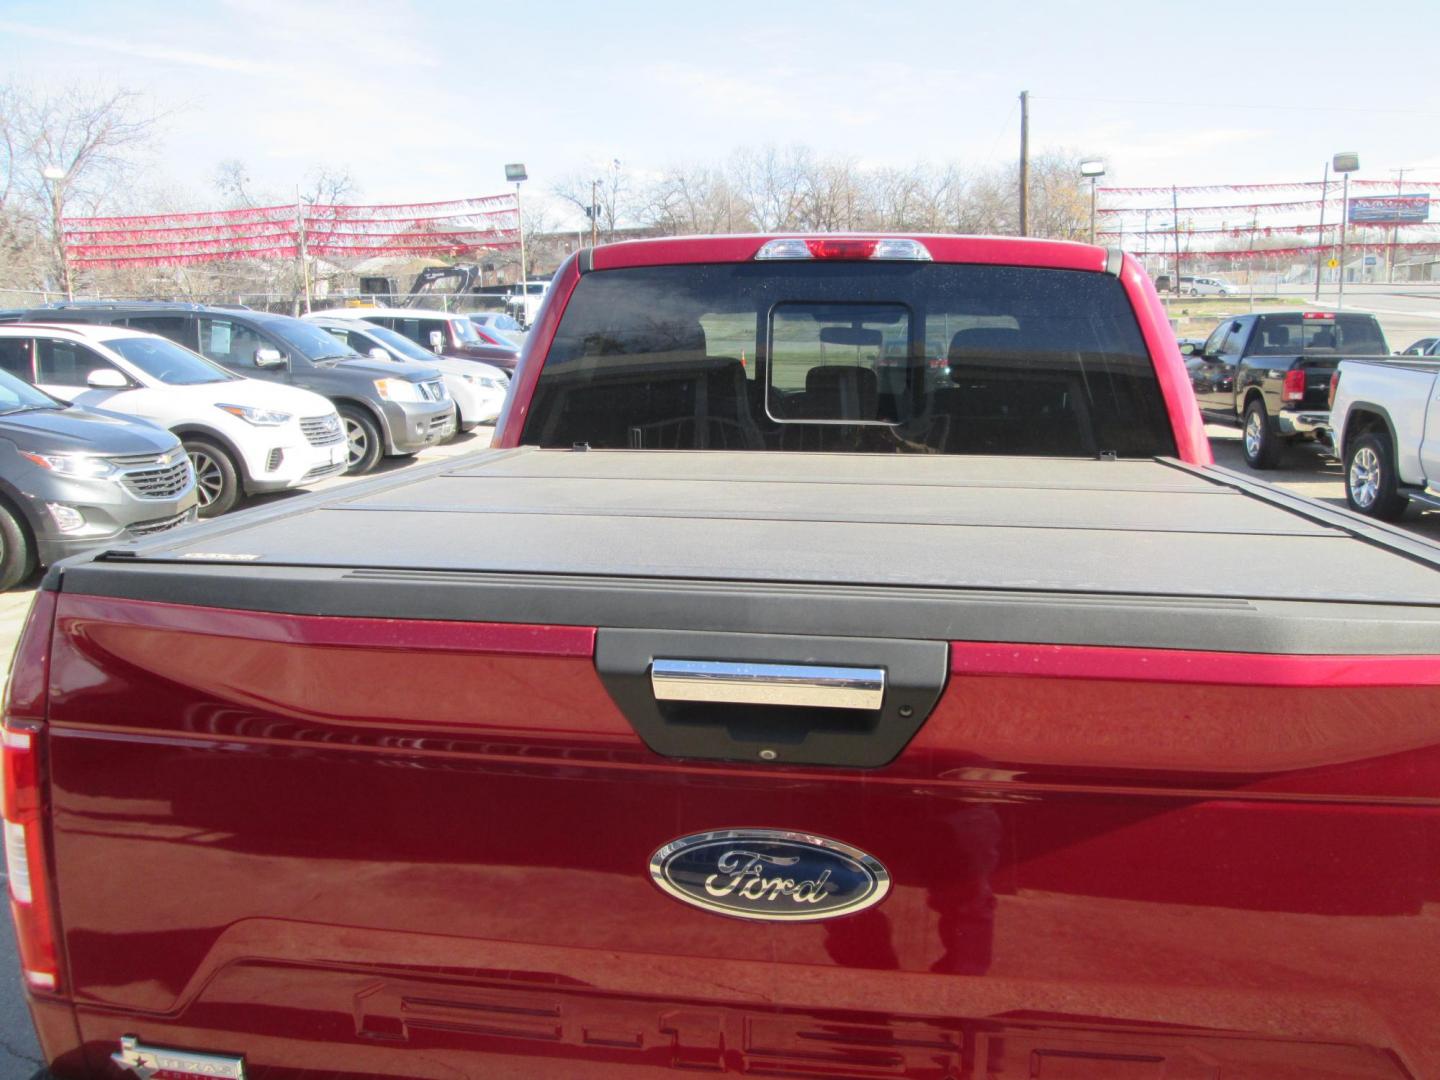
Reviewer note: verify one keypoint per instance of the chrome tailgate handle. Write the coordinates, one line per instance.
(736, 683)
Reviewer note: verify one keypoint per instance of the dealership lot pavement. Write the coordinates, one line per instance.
(1304, 470)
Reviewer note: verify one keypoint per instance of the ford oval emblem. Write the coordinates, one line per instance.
(769, 874)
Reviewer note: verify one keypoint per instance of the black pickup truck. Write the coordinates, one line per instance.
(1270, 374)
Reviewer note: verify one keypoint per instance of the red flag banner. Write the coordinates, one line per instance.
(436, 228)
(1294, 185)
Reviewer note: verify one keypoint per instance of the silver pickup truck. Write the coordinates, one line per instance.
(1386, 424)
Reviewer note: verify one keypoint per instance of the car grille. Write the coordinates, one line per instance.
(146, 479)
(322, 430)
(145, 528)
(322, 471)
(441, 423)
(432, 391)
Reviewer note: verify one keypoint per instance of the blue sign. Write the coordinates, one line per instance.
(1388, 209)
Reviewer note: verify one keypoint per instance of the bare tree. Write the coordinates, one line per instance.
(72, 148)
(603, 195)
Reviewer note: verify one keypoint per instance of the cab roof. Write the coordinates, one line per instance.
(943, 248)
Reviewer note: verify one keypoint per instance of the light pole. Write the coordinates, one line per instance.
(516, 174)
(56, 175)
(1094, 170)
(1344, 163)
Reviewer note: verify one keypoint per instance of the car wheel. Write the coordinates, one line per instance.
(1371, 486)
(362, 435)
(1262, 447)
(217, 481)
(17, 555)
(1194, 292)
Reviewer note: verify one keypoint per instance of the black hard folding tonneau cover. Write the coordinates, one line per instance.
(1142, 553)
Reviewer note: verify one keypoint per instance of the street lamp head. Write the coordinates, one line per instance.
(1092, 168)
(515, 173)
(53, 172)
(1344, 163)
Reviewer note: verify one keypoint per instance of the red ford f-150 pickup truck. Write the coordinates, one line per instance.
(849, 664)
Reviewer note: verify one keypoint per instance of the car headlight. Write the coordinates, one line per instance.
(258, 417)
(397, 390)
(487, 381)
(82, 466)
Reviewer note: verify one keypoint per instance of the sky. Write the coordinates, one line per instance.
(429, 101)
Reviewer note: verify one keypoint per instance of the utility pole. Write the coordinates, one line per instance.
(1395, 229)
(300, 246)
(1320, 236)
(1024, 162)
(1175, 209)
(594, 213)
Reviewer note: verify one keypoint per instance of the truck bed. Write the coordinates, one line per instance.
(1113, 552)
(376, 783)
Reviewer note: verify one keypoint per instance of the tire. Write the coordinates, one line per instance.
(1371, 486)
(1193, 292)
(17, 554)
(1261, 444)
(217, 481)
(363, 436)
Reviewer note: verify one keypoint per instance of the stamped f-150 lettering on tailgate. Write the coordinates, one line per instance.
(848, 664)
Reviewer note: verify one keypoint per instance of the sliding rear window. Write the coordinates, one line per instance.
(852, 357)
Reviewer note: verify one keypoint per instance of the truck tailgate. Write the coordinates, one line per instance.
(354, 808)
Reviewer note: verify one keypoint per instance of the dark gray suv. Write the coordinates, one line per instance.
(72, 478)
(387, 408)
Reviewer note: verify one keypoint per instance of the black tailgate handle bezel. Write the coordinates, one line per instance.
(772, 698)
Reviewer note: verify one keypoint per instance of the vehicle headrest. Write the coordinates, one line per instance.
(1277, 336)
(842, 393)
(981, 341)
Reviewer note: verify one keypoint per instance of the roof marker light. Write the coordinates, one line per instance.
(845, 248)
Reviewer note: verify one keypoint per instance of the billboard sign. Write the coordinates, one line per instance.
(1388, 209)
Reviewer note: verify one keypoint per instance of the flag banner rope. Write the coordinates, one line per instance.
(447, 227)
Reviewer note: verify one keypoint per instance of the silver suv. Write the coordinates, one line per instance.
(72, 479)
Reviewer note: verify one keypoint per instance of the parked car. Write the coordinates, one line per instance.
(386, 408)
(244, 436)
(1386, 419)
(1191, 285)
(444, 333)
(1270, 374)
(71, 478)
(1032, 746)
(1419, 347)
(477, 389)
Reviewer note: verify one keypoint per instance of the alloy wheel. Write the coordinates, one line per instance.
(1254, 434)
(356, 441)
(209, 479)
(1364, 478)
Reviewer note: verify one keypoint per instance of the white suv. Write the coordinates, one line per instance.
(243, 436)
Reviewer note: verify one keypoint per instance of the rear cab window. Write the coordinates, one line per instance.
(853, 357)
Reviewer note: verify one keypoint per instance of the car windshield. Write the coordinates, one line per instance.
(18, 396)
(164, 360)
(399, 343)
(842, 356)
(309, 340)
(496, 322)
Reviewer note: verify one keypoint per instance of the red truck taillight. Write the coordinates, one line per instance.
(1334, 386)
(1294, 388)
(22, 742)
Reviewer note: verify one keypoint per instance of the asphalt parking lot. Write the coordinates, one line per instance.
(1304, 470)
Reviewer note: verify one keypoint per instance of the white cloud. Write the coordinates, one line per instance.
(187, 57)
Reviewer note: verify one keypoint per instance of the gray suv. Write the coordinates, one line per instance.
(387, 408)
(71, 479)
